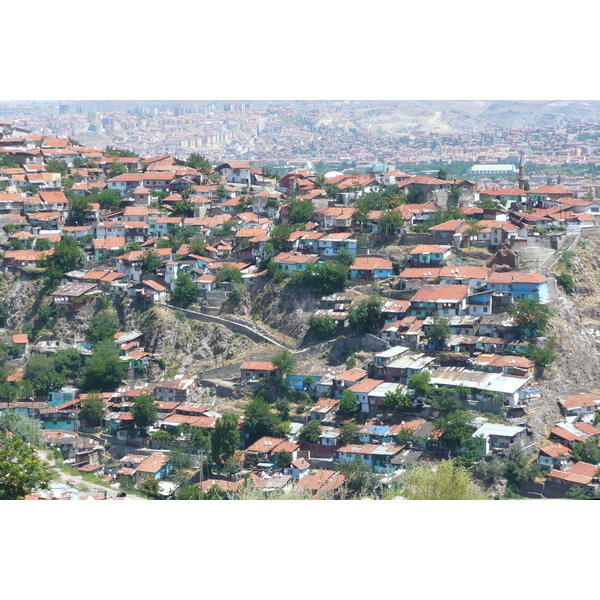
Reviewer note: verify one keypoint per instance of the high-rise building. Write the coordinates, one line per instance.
(63, 109)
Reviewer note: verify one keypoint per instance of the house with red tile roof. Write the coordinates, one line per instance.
(441, 300)
(518, 284)
(254, 370)
(554, 456)
(371, 267)
(579, 406)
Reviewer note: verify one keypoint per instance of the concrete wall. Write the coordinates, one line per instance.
(254, 335)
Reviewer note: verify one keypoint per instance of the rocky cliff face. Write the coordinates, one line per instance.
(188, 341)
(21, 298)
(286, 309)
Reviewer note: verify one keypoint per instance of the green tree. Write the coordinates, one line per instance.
(198, 247)
(66, 257)
(259, 419)
(149, 487)
(439, 333)
(150, 262)
(300, 211)
(103, 327)
(225, 438)
(162, 436)
(279, 236)
(108, 199)
(42, 244)
(398, 400)
(282, 405)
(322, 278)
(577, 492)
(20, 426)
(285, 361)
(104, 370)
(365, 317)
(283, 459)
(40, 372)
(349, 433)
(79, 204)
(442, 174)
(531, 316)
(57, 166)
(311, 432)
(185, 292)
(587, 451)
(419, 384)
(391, 221)
(228, 273)
(443, 480)
(117, 168)
(183, 208)
(565, 280)
(457, 430)
(323, 327)
(144, 412)
(200, 163)
(332, 191)
(92, 410)
(542, 356)
(348, 406)
(361, 478)
(4, 313)
(21, 470)
(344, 256)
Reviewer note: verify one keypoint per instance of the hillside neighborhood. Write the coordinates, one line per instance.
(176, 329)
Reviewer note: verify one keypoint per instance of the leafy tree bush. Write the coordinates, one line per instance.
(104, 370)
(300, 211)
(259, 419)
(227, 273)
(344, 256)
(150, 262)
(443, 480)
(66, 257)
(439, 332)
(311, 432)
(20, 426)
(542, 356)
(285, 361)
(162, 436)
(391, 221)
(565, 280)
(144, 412)
(322, 278)
(531, 316)
(40, 372)
(398, 400)
(21, 470)
(348, 406)
(323, 327)
(349, 433)
(283, 459)
(185, 292)
(225, 438)
(365, 317)
(92, 410)
(587, 451)
(103, 327)
(419, 384)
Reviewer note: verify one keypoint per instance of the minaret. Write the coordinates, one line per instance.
(521, 178)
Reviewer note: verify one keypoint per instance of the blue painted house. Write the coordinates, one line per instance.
(520, 285)
(296, 382)
(370, 267)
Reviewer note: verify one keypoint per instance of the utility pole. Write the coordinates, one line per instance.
(32, 419)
